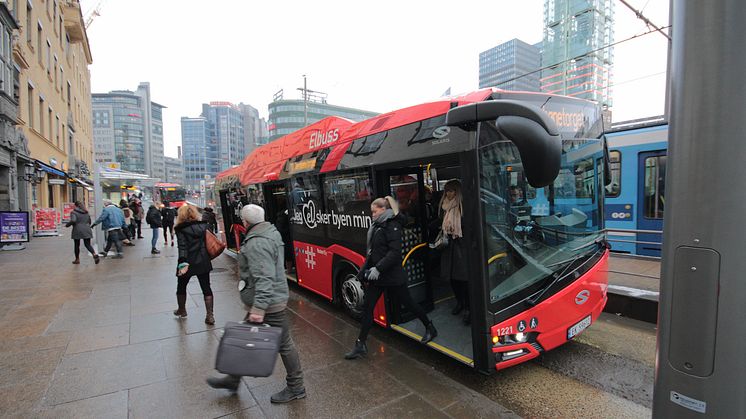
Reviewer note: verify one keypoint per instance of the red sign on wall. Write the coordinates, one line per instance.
(45, 220)
(67, 209)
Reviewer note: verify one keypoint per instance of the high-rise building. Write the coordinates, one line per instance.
(200, 151)
(255, 127)
(52, 55)
(575, 34)
(128, 129)
(174, 170)
(289, 115)
(219, 139)
(509, 66)
(226, 126)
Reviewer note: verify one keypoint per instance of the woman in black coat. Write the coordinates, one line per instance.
(154, 219)
(80, 221)
(383, 271)
(193, 259)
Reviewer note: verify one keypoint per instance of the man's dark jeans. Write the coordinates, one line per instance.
(287, 350)
(114, 237)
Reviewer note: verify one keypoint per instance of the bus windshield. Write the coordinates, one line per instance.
(531, 234)
(173, 194)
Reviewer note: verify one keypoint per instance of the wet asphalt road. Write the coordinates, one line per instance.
(607, 372)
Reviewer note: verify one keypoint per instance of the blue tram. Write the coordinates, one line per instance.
(635, 198)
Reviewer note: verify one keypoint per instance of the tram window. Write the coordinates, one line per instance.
(614, 188)
(255, 195)
(655, 176)
(348, 198)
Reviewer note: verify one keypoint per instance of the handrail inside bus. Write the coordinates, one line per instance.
(410, 252)
(496, 257)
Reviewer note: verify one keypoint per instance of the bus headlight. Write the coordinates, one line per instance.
(519, 337)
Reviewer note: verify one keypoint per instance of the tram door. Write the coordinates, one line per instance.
(651, 200)
(406, 186)
(277, 213)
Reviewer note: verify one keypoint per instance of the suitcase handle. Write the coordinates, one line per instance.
(255, 324)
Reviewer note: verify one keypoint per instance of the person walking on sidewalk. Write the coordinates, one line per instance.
(154, 220)
(80, 221)
(112, 222)
(193, 259)
(167, 215)
(261, 267)
(209, 217)
(383, 271)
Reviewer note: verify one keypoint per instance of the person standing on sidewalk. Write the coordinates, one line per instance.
(167, 215)
(209, 217)
(137, 215)
(112, 222)
(154, 220)
(261, 267)
(80, 221)
(383, 271)
(193, 259)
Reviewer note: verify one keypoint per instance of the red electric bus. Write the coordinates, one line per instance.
(172, 193)
(537, 265)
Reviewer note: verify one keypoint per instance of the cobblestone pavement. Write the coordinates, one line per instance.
(100, 341)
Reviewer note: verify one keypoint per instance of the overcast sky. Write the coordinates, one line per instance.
(377, 56)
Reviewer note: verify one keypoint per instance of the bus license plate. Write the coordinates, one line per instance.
(578, 327)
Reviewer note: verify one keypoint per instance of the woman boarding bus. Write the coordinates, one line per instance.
(536, 267)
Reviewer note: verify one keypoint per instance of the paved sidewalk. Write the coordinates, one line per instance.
(100, 341)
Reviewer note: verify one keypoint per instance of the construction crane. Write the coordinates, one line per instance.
(93, 14)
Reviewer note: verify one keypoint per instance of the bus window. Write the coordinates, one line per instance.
(255, 195)
(655, 175)
(615, 165)
(348, 199)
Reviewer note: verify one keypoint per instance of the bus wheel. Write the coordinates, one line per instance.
(352, 294)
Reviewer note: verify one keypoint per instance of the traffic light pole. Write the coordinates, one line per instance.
(701, 362)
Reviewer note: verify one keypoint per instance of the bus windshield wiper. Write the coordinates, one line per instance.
(557, 277)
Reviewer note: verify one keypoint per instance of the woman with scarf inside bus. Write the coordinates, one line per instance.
(382, 271)
(453, 255)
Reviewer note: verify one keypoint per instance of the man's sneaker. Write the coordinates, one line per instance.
(103, 254)
(118, 256)
(288, 395)
(227, 382)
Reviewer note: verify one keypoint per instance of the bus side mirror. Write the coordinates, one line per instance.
(532, 131)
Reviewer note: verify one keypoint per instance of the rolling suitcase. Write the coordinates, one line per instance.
(248, 349)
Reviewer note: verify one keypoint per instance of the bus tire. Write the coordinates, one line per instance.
(349, 292)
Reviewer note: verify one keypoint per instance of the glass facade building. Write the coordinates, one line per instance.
(226, 128)
(575, 32)
(128, 129)
(199, 151)
(119, 130)
(286, 116)
(507, 65)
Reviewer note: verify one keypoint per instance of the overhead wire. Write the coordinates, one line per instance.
(583, 55)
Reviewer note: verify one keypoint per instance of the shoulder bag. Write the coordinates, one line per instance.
(214, 246)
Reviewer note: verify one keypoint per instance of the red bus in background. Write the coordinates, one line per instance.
(172, 193)
(536, 260)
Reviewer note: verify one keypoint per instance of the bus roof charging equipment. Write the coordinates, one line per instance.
(532, 131)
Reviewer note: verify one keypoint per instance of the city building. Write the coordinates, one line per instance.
(14, 153)
(226, 127)
(174, 170)
(289, 115)
(200, 151)
(575, 34)
(219, 139)
(52, 54)
(128, 129)
(255, 127)
(509, 66)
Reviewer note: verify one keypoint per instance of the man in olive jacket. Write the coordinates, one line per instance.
(262, 268)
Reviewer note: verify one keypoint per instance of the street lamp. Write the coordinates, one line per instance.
(32, 174)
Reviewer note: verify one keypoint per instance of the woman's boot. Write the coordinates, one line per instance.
(76, 261)
(430, 333)
(209, 318)
(181, 300)
(360, 349)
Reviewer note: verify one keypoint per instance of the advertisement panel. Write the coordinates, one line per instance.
(45, 220)
(14, 226)
(67, 209)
